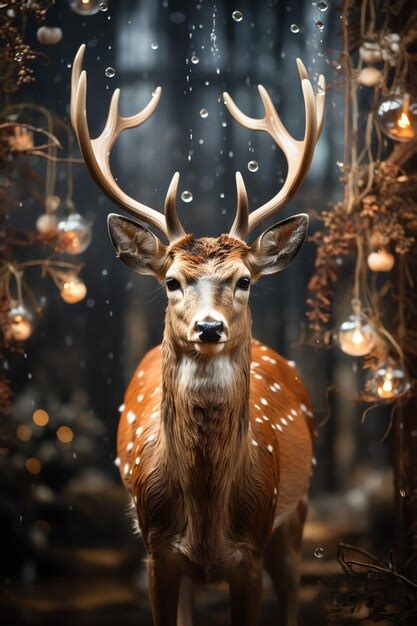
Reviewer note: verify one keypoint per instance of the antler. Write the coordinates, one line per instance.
(298, 153)
(96, 152)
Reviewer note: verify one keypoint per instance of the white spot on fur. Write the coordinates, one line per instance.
(270, 448)
(279, 427)
(140, 373)
(139, 431)
(154, 415)
(254, 442)
(117, 461)
(131, 417)
(293, 412)
(121, 408)
(284, 421)
(265, 418)
(126, 468)
(264, 402)
(291, 363)
(258, 419)
(137, 460)
(140, 397)
(129, 446)
(264, 348)
(151, 438)
(258, 376)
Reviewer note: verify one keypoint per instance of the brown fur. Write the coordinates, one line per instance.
(215, 473)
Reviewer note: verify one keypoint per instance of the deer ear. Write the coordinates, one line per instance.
(136, 246)
(275, 249)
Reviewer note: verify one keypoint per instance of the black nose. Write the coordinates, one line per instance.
(210, 332)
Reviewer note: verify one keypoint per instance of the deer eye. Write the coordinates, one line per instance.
(172, 284)
(243, 283)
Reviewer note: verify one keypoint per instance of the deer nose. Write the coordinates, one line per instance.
(210, 332)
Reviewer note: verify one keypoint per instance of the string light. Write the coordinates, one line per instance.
(73, 290)
(356, 336)
(84, 7)
(397, 116)
(389, 380)
(20, 322)
(75, 233)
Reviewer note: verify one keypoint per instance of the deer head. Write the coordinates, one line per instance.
(207, 279)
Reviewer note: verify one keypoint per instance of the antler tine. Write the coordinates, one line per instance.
(75, 79)
(298, 153)
(96, 151)
(173, 224)
(320, 95)
(240, 225)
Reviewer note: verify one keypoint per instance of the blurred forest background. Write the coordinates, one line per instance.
(66, 526)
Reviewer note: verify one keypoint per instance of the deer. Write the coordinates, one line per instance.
(215, 439)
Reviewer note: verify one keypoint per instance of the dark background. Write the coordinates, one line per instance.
(81, 357)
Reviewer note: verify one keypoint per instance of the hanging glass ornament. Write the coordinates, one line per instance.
(381, 261)
(20, 322)
(389, 380)
(397, 116)
(75, 233)
(356, 335)
(73, 290)
(85, 7)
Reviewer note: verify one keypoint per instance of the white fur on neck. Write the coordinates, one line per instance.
(211, 376)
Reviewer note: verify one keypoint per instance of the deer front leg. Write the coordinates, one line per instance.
(282, 562)
(164, 579)
(246, 594)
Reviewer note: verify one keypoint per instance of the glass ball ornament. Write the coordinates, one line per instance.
(397, 116)
(356, 336)
(389, 380)
(73, 290)
(20, 320)
(381, 261)
(85, 7)
(75, 233)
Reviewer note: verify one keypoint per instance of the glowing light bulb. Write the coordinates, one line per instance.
(356, 336)
(20, 323)
(404, 121)
(75, 233)
(85, 7)
(389, 380)
(397, 116)
(73, 290)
